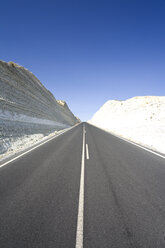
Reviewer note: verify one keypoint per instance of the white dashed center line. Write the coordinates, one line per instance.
(87, 152)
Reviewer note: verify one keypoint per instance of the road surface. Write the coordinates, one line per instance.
(85, 189)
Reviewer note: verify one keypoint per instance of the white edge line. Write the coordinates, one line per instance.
(22, 154)
(131, 142)
(87, 152)
(80, 218)
(142, 147)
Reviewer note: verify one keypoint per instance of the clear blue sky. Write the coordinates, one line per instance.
(88, 51)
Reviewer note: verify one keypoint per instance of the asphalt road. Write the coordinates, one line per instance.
(122, 200)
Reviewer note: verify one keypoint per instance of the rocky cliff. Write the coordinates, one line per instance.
(140, 119)
(27, 107)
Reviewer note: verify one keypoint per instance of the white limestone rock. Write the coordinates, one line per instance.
(140, 119)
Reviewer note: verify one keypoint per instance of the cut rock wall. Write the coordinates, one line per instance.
(27, 107)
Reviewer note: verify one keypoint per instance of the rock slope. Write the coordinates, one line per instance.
(27, 107)
(140, 119)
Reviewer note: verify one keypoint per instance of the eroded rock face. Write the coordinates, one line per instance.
(27, 107)
(139, 119)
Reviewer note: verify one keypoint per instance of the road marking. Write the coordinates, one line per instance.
(131, 142)
(135, 144)
(22, 154)
(142, 147)
(80, 218)
(87, 152)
